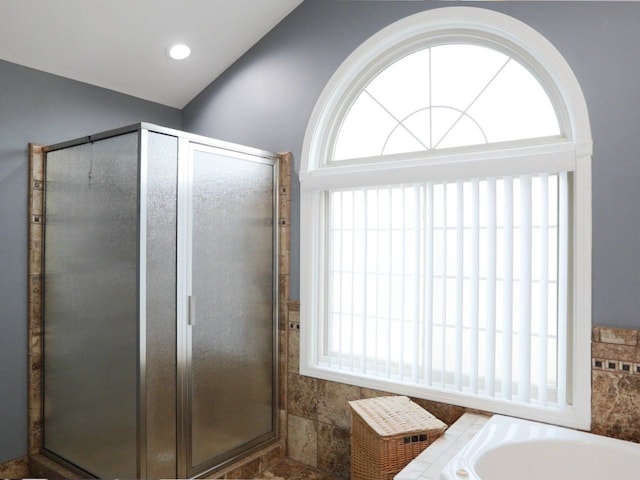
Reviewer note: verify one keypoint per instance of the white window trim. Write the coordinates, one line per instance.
(572, 153)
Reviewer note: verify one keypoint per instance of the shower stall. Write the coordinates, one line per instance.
(159, 303)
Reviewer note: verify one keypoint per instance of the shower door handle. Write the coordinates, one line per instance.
(191, 314)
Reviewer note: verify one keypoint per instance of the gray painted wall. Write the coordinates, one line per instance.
(40, 108)
(266, 99)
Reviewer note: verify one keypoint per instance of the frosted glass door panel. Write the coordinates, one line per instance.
(90, 306)
(232, 281)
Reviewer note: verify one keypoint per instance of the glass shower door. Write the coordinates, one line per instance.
(230, 246)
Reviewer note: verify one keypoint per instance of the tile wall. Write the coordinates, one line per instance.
(318, 413)
(615, 383)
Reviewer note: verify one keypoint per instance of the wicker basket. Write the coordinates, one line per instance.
(386, 434)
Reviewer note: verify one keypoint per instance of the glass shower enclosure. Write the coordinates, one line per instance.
(160, 303)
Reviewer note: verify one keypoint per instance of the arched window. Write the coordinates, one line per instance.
(443, 96)
(445, 243)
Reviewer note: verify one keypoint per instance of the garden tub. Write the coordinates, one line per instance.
(512, 449)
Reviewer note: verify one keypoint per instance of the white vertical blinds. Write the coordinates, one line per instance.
(459, 286)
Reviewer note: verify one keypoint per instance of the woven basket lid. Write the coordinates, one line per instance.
(396, 415)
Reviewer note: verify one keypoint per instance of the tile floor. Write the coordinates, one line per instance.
(285, 470)
(291, 470)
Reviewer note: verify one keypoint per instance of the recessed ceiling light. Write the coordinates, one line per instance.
(179, 51)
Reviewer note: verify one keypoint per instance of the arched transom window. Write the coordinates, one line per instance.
(445, 220)
(443, 96)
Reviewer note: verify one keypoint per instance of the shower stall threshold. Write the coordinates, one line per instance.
(252, 465)
(43, 467)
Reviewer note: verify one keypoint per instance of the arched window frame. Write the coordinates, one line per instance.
(571, 152)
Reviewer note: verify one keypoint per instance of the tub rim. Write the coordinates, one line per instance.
(500, 430)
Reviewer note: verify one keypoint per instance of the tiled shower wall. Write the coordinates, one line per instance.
(319, 416)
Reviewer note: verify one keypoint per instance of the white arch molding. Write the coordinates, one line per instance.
(419, 28)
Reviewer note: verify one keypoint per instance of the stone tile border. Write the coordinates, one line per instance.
(615, 383)
(616, 350)
(34, 295)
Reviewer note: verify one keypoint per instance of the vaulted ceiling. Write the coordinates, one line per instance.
(121, 44)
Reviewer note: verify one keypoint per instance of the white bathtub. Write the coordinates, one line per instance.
(512, 449)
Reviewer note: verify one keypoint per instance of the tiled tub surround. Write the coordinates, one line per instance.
(615, 383)
(428, 464)
(318, 413)
(615, 403)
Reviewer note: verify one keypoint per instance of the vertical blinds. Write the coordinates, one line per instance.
(459, 286)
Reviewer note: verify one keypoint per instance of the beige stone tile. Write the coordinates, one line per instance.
(284, 286)
(282, 317)
(294, 314)
(36, 202)
(333, 406)
(35, 287)
(302, 396)
(284, 209)
(284, 282)
(286, 158)
(283, 420)
(445, 448)
(294, 349)
(615, 405)
(284, 240)
(35, 352)
(334, 450)
(413, 470)
(35, 314)
(248, 470)
(619, 336)
(294, 306)
(251, 466)
(37, 166)
(282, 369)
(283, 266)
(371, 393)
(595, 334)
(302, 440)
(447, 413)
(291, 470)
(35, 249)
(612, 351)
(272, 457)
